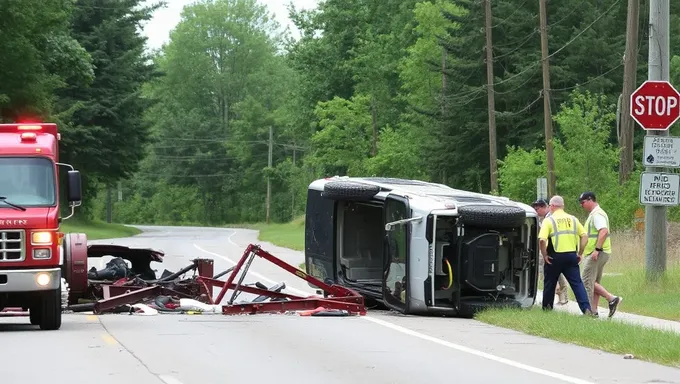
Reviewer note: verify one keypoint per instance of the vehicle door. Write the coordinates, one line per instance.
(395, 263)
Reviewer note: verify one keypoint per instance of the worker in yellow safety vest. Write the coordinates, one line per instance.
(597, 252)
(568, 239)
(541, 208)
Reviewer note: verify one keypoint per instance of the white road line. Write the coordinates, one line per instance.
(435, 340)
(475, 352)
(167, 379)
(232, 241)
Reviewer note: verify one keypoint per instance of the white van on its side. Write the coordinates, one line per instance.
(419, 247)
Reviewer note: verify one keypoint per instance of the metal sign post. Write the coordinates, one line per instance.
(655, 105)
(541, 188)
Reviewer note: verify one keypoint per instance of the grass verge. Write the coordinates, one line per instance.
(647, 344)
(288, 235)
(98, 229)
(624, 275)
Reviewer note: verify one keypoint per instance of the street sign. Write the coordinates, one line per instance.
(541, 188)
(660, 189)
(655, 105)
(662, 151)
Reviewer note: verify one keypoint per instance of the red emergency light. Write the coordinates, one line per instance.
(28, 136)
(32, 127)
(29, 131)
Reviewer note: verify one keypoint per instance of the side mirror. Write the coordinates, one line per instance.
(74, 190)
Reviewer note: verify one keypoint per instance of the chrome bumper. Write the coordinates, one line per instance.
(29, 280)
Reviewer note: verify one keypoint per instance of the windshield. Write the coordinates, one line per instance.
(27, 181)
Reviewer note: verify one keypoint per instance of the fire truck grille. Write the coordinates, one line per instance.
(12, 245)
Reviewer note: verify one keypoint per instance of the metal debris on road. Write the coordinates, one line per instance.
(134, 289)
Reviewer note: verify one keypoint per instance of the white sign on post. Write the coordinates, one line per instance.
(660, 189)
(662, 151)
(541, 188)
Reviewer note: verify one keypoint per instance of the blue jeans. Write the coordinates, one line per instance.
(565, 263)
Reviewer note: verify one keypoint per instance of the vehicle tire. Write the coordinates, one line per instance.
(349, 190)
(50, 311)
(492, 216)
(34, 313)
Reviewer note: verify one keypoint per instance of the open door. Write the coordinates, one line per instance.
(395, 263)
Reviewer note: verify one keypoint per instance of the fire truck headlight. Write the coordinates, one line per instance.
(42, 254)
(42, 279)
(42, 238)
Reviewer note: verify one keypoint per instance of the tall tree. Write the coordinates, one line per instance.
(38, 57)
(105, 135)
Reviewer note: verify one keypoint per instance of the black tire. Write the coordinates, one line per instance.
(349, 190)
(50, 312)
(34, 313)
(492, 216)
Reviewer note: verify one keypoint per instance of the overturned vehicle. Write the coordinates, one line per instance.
(421, 248)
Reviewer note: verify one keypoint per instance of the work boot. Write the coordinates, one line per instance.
(614, 304)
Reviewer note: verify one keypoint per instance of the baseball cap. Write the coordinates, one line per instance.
(587, 195)
(539, 203)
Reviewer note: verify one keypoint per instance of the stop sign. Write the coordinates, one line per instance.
(655, 105)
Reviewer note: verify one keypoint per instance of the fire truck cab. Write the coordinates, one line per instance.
(31, 259)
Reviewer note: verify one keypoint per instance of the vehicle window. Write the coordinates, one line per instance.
(27, 181)
(397, 239)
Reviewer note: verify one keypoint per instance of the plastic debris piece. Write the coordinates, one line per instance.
(142, 310)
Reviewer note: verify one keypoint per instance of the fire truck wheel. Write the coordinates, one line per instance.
(50, 311)
(34, 314)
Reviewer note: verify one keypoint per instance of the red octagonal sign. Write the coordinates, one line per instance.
(655, 105)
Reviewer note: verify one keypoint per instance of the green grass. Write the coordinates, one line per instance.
(624, 275)
(611, 336)
(658, 299)
(98, 229)
(288, 235)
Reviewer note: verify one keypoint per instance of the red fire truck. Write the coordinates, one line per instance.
(32, 267)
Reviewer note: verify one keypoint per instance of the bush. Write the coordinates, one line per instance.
(584, 160)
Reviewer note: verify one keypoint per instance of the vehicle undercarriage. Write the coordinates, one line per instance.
(484, 256)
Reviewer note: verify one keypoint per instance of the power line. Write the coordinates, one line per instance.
(512, 14)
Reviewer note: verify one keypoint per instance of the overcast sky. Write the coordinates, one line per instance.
(165, 19)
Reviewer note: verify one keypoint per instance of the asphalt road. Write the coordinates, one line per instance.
(206, 349)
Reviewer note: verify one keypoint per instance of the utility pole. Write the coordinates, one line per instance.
(443, 105)
(629, 81)
(292, 190)
(269, 166)
(658, 69)
(490, 98)
(547, 116)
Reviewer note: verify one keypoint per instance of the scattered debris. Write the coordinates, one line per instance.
(135, 289)
(628, 356)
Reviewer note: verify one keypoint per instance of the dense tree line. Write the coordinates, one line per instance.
(372, 87)
(81, 64)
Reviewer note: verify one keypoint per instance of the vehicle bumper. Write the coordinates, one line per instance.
(29, 280)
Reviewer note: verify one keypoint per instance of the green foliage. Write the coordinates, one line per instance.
(95, 230)
(645, 343)
(372, 87)
(584, 160)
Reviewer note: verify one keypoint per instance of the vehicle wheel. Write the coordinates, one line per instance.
(492, 216)
(50, 311)
(349, 190)
(34, 313)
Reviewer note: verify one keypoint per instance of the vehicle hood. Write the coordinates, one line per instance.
(31, 218)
